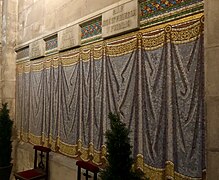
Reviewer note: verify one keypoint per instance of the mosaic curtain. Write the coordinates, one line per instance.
(154, 79)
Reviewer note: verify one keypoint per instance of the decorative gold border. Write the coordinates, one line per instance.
(152, 38)
(153, 42)
(149, 22)
(188, 34)
(121, 48)
(70, 59)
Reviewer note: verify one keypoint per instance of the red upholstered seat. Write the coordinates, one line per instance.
(41, 166)
(31, 174)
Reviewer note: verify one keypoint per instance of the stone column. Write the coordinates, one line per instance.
(212, 86)
(8, 59)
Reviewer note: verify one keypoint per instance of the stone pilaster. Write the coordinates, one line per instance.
(8, 60)
(212, 86)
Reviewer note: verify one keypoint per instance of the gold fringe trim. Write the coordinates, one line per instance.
(184, 35)
(99, 157)
(70, 59)
(153, 42)
(121, 48)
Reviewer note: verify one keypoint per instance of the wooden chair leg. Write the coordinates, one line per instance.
(87, 175)
(79, 173)
(95, 176)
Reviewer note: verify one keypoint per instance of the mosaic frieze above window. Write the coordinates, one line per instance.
(51, 43)
(23, 53)
(151, 13)
(91, 28)
(158, 11)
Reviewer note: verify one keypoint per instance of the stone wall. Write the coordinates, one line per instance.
(8, 23)
(8, 58)
(40, 17)
(1, 20)
(212, 87)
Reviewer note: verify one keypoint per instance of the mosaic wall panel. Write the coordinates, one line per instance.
(23, 53)
(91, 29)
(51, 43)
(158, 11)
(153, 77)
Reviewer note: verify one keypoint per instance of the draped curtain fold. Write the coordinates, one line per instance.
(154, 80)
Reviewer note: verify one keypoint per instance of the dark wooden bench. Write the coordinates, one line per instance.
(41, 168)
(88, 167)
